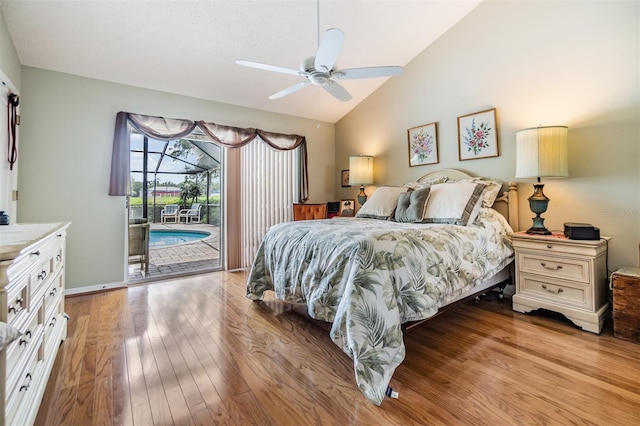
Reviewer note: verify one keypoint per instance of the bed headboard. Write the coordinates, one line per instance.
(506, 204)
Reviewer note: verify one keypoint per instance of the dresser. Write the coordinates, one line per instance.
(564, 276)
(32, 259)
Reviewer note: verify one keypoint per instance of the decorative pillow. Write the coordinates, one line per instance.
(382, 203)
(8, 334)
(491, 190)
(454, 203)
(411, 205)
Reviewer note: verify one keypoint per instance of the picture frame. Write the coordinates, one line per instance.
(423, 144)
(344, 178)
(347, 208)
(478, 135)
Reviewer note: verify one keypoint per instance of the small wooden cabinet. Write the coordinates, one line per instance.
(32, 259)
(564, 276)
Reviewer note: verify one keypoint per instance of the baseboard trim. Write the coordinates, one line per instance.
(93, 288)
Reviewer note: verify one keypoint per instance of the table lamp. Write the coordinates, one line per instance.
(361, 173)
(541, 152)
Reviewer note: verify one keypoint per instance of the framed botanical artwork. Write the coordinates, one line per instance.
(344, 178)
(423, 144)
(347, 208)
(478, 135)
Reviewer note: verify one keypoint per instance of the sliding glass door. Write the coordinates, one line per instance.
(175, 213)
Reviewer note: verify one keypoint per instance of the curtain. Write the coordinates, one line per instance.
(169, 129)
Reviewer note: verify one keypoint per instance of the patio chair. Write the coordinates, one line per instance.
(190, 215)
(170, 211)
(139, 246)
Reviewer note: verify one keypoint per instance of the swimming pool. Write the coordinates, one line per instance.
(164, 238)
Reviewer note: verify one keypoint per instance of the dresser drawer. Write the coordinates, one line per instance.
(19, 351)
(42, 274)
(555, 291)
(22, 393)
(557, 267)
(18, 348)
(17, 299)
(53, 294)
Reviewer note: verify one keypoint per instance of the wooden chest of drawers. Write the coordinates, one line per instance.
(32, 258)
(562, 275)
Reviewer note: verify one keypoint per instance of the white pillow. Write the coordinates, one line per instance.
(382, 203)
(491, 190)
(8, 334)
(453, 203)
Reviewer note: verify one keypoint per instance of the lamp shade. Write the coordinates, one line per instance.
(361, 170)
(542, 152)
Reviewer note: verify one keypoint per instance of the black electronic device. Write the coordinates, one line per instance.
(581, 231)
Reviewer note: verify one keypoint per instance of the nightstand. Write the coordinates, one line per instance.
(562, 275)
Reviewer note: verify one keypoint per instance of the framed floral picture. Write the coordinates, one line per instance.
(347, 208)
(423, 144)
(344, 178)
(478, 135)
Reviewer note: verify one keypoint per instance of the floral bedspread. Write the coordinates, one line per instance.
(368, 277)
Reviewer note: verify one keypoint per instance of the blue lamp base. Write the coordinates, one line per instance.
(538, 204)
(362, 197)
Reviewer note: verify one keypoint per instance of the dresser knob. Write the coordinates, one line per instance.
(549, 246)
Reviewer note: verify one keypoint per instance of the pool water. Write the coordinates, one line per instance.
(164, 238)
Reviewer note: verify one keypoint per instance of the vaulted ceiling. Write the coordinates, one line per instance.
(190, 47)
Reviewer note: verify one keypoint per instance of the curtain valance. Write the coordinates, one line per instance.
(170, 128)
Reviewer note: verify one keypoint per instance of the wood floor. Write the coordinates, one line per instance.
(196, 351)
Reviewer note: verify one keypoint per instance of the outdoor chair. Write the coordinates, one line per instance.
(139, 246)
(190, 215)
(170, 211)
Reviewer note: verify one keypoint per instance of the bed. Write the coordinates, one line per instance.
(445, 240)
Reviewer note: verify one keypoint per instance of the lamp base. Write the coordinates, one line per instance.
(362, 197)
(538, 227)
(538, 203)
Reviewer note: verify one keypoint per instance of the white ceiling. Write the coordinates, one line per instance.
(190, 47)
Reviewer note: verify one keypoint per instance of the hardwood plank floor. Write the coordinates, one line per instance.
(196, 351)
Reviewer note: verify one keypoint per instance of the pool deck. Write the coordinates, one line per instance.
(185, 258)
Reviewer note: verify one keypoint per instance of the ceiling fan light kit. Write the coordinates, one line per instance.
(319, 70)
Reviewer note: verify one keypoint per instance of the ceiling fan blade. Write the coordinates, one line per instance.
(289, 90)
(337, 91)
(366, 72)
(329, 50)
(267, 67)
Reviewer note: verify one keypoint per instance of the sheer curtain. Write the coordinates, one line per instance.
(287, 171)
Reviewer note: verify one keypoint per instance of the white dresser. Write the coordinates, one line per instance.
(32, 258)
(564, 276)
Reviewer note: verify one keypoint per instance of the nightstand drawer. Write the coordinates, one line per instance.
(555, 291)
(556, 267)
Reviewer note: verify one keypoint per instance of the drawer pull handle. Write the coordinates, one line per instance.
(13, 309)
(53, 322)
(53, 291)
(42, 275)
(558, 291)
(58, 257)
(35, 253)
(555, 268)
(26, 387)
(25, 341)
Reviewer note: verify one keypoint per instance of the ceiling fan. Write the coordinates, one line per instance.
(319, 70)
